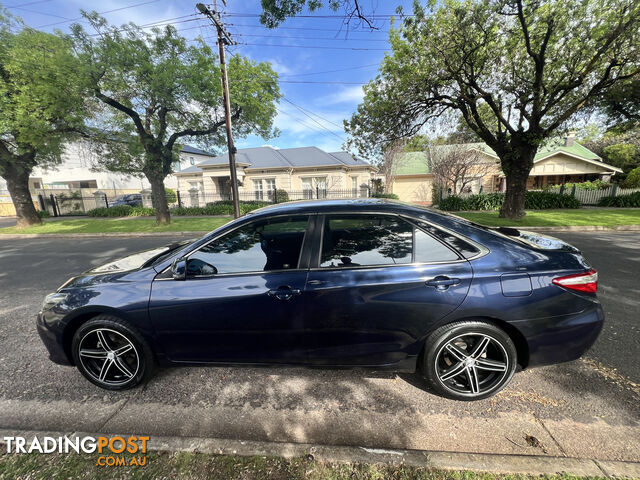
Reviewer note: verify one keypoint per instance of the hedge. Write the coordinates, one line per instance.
(631, 200)
(392, 196)
(493, 201)
(218, 208)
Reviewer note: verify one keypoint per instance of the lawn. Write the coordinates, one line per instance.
(205, 466)
(546, 218)
(122, 225)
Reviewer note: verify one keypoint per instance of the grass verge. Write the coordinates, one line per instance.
(184, 465)
(121, 225)
(559, 218)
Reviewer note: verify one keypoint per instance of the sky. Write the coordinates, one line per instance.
(322, 64)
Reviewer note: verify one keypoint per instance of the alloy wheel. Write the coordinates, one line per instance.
(108, 356)
(472, 364)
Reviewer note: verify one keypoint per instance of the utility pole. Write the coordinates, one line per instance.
(225, 39)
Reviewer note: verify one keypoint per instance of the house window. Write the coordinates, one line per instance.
(314, 187)
(176, 166)
(257, 188)
(192, 161)
(270, 185)
(354, 186)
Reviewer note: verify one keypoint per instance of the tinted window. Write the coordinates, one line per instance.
(428, 249)
(355, 240)
(466, 249)
(259, 246)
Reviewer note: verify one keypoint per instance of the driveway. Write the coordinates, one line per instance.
(588, 408)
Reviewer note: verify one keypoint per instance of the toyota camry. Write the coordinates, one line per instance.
(335, 283)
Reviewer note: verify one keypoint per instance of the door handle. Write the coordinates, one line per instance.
(284, 292)
(442, 282)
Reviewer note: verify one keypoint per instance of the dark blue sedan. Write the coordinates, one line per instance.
(359, 283)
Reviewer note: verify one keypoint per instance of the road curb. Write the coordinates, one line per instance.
(568, 228)
(477, 462)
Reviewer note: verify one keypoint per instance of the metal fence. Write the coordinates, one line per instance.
(71, 203)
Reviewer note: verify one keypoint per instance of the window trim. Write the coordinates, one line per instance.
(306, 239)
(315, 262)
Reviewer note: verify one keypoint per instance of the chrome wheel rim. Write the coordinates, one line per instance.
(472, 364)
(108, 356)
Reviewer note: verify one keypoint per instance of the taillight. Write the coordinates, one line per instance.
(582, 282)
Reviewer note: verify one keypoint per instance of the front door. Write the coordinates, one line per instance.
(379, 284)
(242, 299)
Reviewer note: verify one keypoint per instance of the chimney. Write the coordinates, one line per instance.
(570, 138)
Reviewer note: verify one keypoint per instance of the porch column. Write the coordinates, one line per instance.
(147, 202)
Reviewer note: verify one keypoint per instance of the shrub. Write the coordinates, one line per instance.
(170, 194)
(485, 201)
(548, 200)
(122, 211)
(224, 207)
(392, 196)
(633, 179)
(282, 196)
(43, 214)
(588, 185)
(631, 200)
(453, 203)
(493, 201)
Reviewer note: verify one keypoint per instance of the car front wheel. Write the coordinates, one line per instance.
(469, 360)
(111, 354)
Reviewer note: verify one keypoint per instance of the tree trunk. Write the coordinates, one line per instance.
(18, 185)
(516, 166)
(159, 199)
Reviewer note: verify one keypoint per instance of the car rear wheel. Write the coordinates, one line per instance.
(469, 360)
(111, 354)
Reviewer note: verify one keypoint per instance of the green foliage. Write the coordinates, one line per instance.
(121, 211)
(493, 201)
(632, 200)
(392, 196)
(622, 105)
(224, 207)
(170, 194)
(157, 90)
(281, 196)
(453, 203)
(588, 185)
(43, 214)
(621, 154)
(633, 179)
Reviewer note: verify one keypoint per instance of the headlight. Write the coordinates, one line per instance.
(52, 300)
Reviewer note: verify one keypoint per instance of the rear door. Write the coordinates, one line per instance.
(377, 284)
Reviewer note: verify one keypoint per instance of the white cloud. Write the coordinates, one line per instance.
(353, 94)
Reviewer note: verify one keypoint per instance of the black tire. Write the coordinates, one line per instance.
(456, 366)
(127, 369)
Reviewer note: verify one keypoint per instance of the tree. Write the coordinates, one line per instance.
(389, 163)
(457, 166)
(159, 91)
(274, 12)
(42, 93)
(622, 105)
(530, 66)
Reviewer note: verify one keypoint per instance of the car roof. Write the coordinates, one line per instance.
(338, 206)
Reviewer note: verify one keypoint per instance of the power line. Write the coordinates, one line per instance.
(308, 28)
(328, 82)
(160, 23)
(312, 113)
(27, 4)
(372, 17)
(323, 47)
(331, 71)
(99, 13)
(314, 38)
(304, 112)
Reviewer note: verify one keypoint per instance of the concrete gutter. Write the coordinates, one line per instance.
(477, 462)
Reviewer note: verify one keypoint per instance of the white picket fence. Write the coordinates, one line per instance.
(592, 197)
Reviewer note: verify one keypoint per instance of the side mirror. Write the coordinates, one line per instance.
(179, 269)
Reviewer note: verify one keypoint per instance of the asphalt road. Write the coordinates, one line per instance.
(587, 408)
